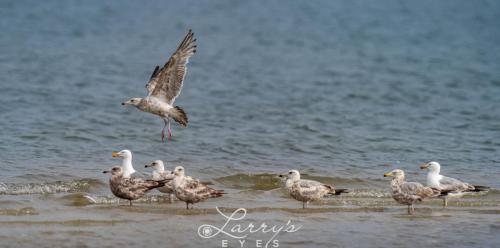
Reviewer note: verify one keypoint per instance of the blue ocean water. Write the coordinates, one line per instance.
(341, 88)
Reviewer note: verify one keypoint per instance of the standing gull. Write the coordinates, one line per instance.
(127, 167)
(455, 188)
(308, 190)
(160, 173)
(191, 190)
(408, 193)
(165, 85)
(130, 188)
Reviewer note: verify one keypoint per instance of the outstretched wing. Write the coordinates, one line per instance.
(166, 82)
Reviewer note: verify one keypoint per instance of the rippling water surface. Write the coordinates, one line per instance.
(343, 91)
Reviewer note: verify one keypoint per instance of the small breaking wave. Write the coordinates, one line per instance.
(81, 185)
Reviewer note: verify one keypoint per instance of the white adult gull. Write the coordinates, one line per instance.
(454, 187)
(160, 173)
(127, 168)
(308, 190)
(165, 85)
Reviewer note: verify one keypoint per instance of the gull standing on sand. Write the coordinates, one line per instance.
(191, 190)
(130, 188)
(408, 193)
(455, 187)
(127, 167)
(165, 85)
(308, 190)
(160, 173)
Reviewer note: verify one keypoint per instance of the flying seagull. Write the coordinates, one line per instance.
(165, 85)
(408, 193)
(308, 190)
(455, 187)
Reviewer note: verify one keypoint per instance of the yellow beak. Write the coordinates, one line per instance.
(388, 174)
(115, 154)
(424, 166)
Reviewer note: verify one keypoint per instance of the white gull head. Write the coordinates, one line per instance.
(179, 171)
(433, 177)
(432, 167)
(127, 167)
(157, 165)
(133, 101)
(293, 175)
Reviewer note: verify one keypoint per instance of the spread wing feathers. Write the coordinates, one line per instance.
(166, 83)
(418, 190)
(452, 184)
(200, 190)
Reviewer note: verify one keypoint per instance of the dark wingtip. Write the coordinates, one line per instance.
(341, 191)
(479, 188)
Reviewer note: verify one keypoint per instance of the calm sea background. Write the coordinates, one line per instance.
(342, 89)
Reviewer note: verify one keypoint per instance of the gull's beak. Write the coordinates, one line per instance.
(424, 166)
(126, 103)
(148, 165)
(388, 174)
(106, 172)
(115, 154)
(280, 175)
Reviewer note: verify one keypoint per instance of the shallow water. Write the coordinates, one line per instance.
(343, 91)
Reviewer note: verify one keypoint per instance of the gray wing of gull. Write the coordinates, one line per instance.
(452, 184)
(166, 82)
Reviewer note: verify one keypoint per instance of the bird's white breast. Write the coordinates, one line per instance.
(156, 106)
(433, 180)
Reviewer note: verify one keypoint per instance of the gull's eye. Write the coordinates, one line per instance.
(290, 173)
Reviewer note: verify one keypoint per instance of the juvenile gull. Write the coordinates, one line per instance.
(191, 190)
(127, 167)
(408, 193)
(165, 85)
(308, 190)
(160, 173)
(130, 188)
(455, 187)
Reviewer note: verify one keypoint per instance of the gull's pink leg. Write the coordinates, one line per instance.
(169, 131)
(163, 131)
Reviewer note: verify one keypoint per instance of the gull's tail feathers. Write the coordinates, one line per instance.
(178, 114)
